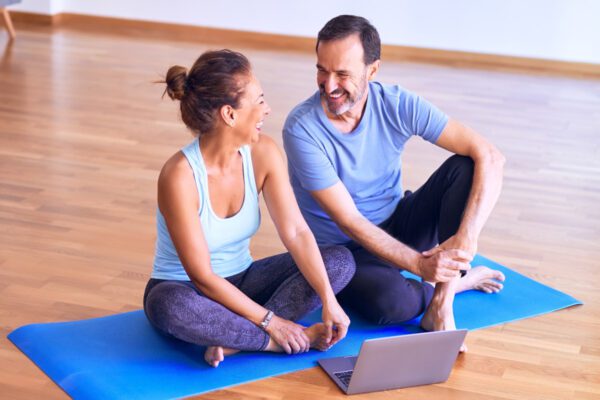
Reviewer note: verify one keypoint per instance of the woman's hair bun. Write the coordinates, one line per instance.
(216, 79)
(175, 80)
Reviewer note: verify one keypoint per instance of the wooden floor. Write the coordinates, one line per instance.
(84, 132)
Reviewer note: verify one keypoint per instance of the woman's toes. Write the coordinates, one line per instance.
(214, 355)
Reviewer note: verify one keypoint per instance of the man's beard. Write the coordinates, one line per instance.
(349, 101)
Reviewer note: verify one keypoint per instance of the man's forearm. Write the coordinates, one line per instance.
(380, 243)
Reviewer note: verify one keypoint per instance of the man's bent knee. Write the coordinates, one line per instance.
(387, 311)
(462, 165)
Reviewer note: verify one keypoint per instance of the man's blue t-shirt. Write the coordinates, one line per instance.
(366, 160)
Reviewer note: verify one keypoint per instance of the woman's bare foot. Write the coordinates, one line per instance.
(317, 334)
(481, 278)
(216, 354)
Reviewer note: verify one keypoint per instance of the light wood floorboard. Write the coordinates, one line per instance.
(84, 132)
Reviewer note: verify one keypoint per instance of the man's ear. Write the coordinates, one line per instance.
(373, 68)
(228, 115)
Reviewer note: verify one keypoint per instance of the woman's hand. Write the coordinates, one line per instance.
(336, 321)
(288, 335)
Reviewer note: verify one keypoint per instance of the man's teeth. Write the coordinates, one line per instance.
(259, 125)
(335, 95)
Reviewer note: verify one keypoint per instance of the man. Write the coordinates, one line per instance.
(344, 147)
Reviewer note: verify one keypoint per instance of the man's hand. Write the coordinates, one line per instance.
(456, 242)
(336, 321)
(289, 335)
(440, 265)
(460, 242)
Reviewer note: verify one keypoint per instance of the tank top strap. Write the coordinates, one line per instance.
(249, 179)
(194, 158)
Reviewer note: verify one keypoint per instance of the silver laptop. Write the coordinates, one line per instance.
(397, 362)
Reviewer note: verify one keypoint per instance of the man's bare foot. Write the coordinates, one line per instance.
(216, 354)
(481, 278)
(438, 318)
(317, 334)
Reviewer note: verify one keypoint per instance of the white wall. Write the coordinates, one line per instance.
(35, 6)
(567, 30)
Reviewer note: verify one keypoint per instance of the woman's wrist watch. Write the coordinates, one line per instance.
(266, 320)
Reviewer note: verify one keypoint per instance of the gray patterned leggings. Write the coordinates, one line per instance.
(179, 309)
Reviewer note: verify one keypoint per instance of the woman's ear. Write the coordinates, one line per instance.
(228, 115)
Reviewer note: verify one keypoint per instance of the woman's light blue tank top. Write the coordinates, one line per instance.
(228, 238)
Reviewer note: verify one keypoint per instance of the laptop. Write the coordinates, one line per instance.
(397, 362)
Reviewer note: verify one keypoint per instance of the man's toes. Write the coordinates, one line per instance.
(496, 286)
(491, 286)
(485, 289)
(499, 276)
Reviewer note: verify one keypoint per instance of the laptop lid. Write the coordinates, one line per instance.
(406, 360)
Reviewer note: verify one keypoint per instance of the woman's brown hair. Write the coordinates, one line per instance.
(216, 79)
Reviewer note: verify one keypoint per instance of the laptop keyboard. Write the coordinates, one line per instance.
(344, 376)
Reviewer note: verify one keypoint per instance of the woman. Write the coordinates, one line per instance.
(205, 288)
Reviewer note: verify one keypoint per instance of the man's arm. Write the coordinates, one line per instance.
(338, 204)
(487, 181)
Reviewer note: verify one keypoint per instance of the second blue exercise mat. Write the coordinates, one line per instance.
(123, 357)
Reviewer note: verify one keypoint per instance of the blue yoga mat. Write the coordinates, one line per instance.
(123, 357)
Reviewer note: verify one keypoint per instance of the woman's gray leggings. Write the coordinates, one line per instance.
(179, 309)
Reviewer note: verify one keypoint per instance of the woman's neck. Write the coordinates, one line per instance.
(219, 150)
